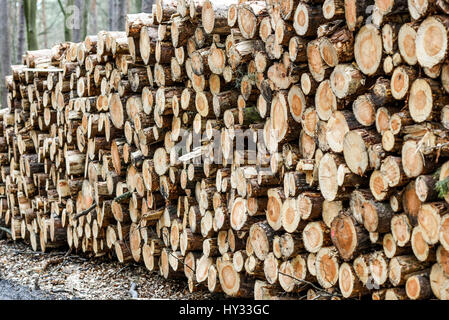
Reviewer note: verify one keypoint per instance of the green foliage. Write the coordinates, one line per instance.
(442, 187)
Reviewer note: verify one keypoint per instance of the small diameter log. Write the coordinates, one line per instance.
(310, 205)
(355, 146)
(307, 19)
(214, 17)
(338, 48)
(364, 110)
(274, 205)
(418, 287)
(444, 228)
(317, 67)
(378, 268)
(271, 268)
(377, 216)
(401, 229)
(407, 42)
(315, 236)
(327, 265)
(391, 249)
(349, 283)
(233, 283)
(328, 178)
(392, 170)
(340, 123)
(290, 215)
(401, 268)
(346, 80)
(422, 251)
(411, 203)
(325, 101)
(401, 80)
(249, 18)
(261, 238)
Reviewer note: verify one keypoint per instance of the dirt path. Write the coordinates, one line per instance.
(55, 275)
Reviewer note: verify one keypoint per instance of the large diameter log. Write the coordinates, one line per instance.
(214, 16)
(426, 96)
(249, 18)
(429, 218)
(348, 236)
(233, 283)
(368, 49)
(432, 41)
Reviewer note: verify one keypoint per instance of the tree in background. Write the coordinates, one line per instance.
(147, 5)
(20, 33)
(93, 21)
(111, 4)
(5, 50)
(122, 11)
(30, 8)
(44, 24)
(85, 19)
(137, 6)
(67, 16)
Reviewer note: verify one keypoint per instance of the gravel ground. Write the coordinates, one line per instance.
(29, 275)
(10, 290)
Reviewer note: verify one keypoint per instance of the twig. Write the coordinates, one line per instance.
(6, 230)
(85, 212)
(312, 285)
(121, 269)
(123, 197)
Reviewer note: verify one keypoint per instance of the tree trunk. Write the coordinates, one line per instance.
(21, 33)
(44, 25)
(5, 51)
(147, 5)
(76, 30)
(121, 15)
(30, 8)
(93, 21)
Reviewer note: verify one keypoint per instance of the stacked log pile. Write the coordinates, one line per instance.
(267, 149)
